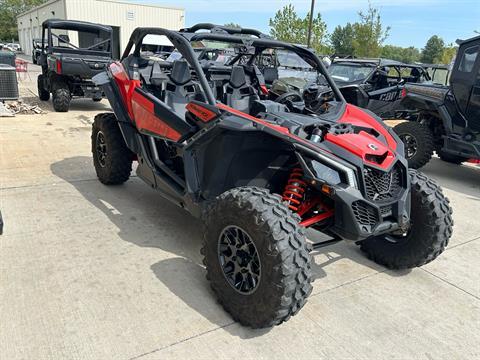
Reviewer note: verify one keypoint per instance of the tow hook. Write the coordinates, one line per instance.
(403, 225)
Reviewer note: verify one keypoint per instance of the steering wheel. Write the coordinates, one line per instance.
(288, 98)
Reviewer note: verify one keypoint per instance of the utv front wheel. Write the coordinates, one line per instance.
(61, 99)
(418, 141)
(111, 157)
(256, 257)
(43, 94)
(430, 229)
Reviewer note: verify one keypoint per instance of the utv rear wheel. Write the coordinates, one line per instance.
(430, 230)
(256, 257)
(43, 94)
(451, 158)
(111, 157)
(61, 99)
(418, 141)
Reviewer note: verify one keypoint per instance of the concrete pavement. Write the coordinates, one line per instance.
(95, 272)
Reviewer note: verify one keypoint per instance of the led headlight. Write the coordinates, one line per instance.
(327, 168)
(350, 178)
(325, 173)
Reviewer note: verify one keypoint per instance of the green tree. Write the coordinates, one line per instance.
(342, 40)
(433, 51)
(407, 55)
(369, 33)
(288, 26)
(9, 10)
(233, 25)
(448, 54)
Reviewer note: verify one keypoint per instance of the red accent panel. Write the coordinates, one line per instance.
(145, 118)
(365, 146)
(264, 89)
(317, 218)
(125, 85)
(356, 116)
(200, 112)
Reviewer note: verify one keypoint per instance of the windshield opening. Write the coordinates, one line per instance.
(350, 72)
(95, 41)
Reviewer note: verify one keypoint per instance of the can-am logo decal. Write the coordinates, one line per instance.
(373, 147)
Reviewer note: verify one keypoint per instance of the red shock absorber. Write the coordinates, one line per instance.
(295, 189)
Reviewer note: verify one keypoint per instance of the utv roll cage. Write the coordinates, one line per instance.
(181, 40)
(80, 26)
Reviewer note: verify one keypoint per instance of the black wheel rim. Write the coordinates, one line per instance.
(411, 145)
(239, 260)
(101, 147)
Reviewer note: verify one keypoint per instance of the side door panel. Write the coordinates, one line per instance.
(473, 110)
(382, 101)
(464, 74)
(154, 118)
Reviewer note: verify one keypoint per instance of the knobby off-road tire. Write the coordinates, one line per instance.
(285, 262)
(111, 157)
(61, 98)
(423, 139)
(431, 229)
(450, 158)
(43, 94)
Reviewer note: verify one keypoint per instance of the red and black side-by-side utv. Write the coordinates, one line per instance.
(211, 139)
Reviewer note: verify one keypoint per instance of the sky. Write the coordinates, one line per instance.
(412, 22)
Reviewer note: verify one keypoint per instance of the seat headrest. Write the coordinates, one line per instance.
(180, 72)
(238, 78)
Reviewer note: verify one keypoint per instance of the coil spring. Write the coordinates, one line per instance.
(295, 189)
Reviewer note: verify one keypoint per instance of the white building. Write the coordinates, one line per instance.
(122, 16)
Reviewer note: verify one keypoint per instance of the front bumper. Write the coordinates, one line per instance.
(357, 218)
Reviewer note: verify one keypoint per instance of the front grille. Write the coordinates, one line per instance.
(383, 186)
(364, 213)
(386, 210)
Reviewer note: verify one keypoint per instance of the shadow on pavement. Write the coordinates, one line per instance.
(461, 178)
(145, 219)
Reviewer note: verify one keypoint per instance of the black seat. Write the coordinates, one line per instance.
(142, 64)
(180, 88)
(238, 93)
(270, 75)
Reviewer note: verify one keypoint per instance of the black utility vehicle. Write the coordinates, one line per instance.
(448, 121)
(259, 172)
(67, 69)
(376, 84)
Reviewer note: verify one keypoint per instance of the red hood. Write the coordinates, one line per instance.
(356, 116)
(363, 144)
